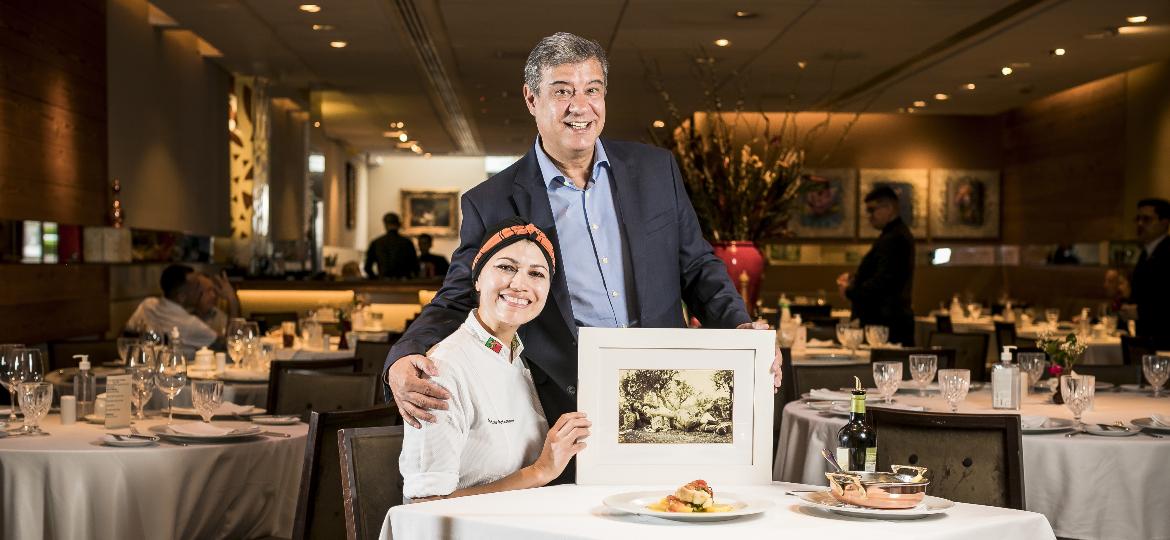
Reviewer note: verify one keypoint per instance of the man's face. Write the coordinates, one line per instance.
(203, 293)
(1149, 226)
(569, 108)
(880, 213)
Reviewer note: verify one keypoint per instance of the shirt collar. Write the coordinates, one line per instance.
(1154, 245)
(489, 342)
(550, 173)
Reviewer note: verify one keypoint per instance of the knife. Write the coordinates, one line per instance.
(134, 436)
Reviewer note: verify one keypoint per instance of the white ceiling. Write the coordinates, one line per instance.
(860, 55)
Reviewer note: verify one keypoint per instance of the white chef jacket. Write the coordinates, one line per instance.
(494, 425)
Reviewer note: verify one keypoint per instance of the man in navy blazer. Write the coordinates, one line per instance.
(629, 248)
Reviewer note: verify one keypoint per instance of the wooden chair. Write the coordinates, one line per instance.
(831, 377)
(371, 483)
(298, 386)
(973, 458)
(1116, 374)
(943, 323)
(946, 358)
(373, 355)
(1133, 348)
(823, 328)
(99, 350)
(320, 511)
(970, 351)
(809, 312)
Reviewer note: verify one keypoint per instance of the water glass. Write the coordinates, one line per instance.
(7, 369)
(1052, 315)
(206, 396)
(887, 376)
(1077, 393)
(1033, 366)
(954, 383)
(922, 369)
(35, 400)
(974, 310)
(1156, 369)
(171, 377)
(876, 335)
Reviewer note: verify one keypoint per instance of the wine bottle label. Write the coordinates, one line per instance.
(871, 459)
(843, 458)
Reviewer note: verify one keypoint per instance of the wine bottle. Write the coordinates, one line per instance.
(857, 440)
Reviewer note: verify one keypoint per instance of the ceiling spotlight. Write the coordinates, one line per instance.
(911, 110)
(309, 8)
(1137, 19)
(338, 44)
(323, 27)
(1058, 52)
(802, 64)
(722, 42)
(969, 86)
(317, 124)
(402, 137)
(401, 125)
(941, 96)
(1005, 71)
(920, 103)
(659, 124)
(752, 15)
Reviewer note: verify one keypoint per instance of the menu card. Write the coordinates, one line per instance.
(118, 401)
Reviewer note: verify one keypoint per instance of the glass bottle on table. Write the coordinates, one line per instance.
(857, 440)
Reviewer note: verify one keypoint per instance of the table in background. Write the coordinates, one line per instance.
(238, 392)
(1088, 486)
(1100, 351)
(571, 511)
(808, 356)
(67, 485)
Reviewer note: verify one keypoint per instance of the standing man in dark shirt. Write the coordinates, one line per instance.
(430, 265)
(1151, 276)
(880, 291)
(391, 255)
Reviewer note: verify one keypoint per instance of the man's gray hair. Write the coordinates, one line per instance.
(562, 48)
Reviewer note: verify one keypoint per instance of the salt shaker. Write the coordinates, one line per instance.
(68, 410)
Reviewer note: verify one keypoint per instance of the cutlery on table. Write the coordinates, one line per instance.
(135, 431)
(1148, 434)
(1075, 433)
(123, 436)
(275, 434)
(1121, 425)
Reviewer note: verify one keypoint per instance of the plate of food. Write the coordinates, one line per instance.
(694, 501)
(824, 500)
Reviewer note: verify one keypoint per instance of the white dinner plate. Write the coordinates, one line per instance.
(637, 502)
(820, 405)
(239, 434)
(1094, 429)
(127, 442)
(269, 420)
(825, 501)
(1051, 425)
(192, 413)
(1135, 388)
(1146, 423)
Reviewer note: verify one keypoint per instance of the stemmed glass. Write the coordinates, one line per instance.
(922, 368)
(27, 366)
(974, 310)
(206, 396)
(142, 366)
(124, 344)
(954, 383)
(877, 335)
(35, 400)
(7, 369)
(171, 376)
(1077, 392)
(887, 376)
(1157, 370)
(251, 343)
(236, 337)
(1052, 315)
(1033, 366)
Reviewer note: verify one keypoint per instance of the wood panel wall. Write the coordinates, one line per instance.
(45, 302)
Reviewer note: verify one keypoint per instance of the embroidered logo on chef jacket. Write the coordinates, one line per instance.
(500, 421)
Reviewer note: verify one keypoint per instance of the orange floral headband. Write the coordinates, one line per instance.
(510, 235)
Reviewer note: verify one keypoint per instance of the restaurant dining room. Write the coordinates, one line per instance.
(830, 269)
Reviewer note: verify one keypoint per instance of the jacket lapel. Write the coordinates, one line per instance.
(530, 200)
(628, 192)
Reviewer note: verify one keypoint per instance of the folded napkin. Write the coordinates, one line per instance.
(824, 394)
(1160, 419)
(1033, 421)
(201, 429)
(819, 343)
(228, 408)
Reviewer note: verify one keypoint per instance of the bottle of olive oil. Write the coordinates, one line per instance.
(857, 441)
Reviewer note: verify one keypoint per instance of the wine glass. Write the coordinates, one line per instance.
(142, 366)
(954, 383)
(922, 368)
(841, 333)
(170, 377)
(1076, 390)
(35, 400)
(1052, 315)
(7, 369)
(877, 335)
(1156, 369)
(974, 310)
(251, 343)
(1033, 366)
(235, 338)
(887, 376)
(206, 396)
(124, 344)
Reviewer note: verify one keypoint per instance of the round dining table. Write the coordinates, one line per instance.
(1100, 350)
(69, 485)
(1088, 486)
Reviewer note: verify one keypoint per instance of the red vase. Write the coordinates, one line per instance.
(745, 265)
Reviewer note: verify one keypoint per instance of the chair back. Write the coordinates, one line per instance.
(1134, 348)
(943, 323)
(831, 377)
(372, 355)
(291, 390)
(102, 350)
(1116, 374)
(946, 358)
(811, 311)
(970, 351)
(370, 480)
(320, 511)
(973, 458)
(268, 321)
(1005, 335)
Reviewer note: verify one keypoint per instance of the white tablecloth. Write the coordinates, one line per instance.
(68, 486)
(809, 356)
(571, 511)
(1088, 486)
(1100, 351)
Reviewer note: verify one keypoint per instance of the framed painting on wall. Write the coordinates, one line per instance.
(828, 207)
(964, 203)
(673, 404)
(909, 184)
(430, 212)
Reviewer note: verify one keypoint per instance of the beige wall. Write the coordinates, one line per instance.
(288, 170)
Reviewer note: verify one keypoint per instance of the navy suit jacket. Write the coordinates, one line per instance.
(668, 257)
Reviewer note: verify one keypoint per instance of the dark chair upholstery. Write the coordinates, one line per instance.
(1005, 335)
(297, 386)
(823, 328)
(831, 377)
(1133, 348)
(970, 351)
(370, 480)
(943, 323)
(1116, 374)
(320, 511)
(786, 394)
(61, 352)
(373, 355)
(268, 321)
(809, 312)
(946, 358)
(973, 458)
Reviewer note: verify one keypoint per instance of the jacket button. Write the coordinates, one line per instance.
(572, 390)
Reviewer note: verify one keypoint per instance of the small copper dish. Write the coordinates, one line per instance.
(892, 490)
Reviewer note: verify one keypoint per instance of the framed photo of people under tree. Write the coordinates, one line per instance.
(670, 405)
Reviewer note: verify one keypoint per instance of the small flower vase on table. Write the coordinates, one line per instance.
(1063, 353)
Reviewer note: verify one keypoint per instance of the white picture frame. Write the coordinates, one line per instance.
(746, 459)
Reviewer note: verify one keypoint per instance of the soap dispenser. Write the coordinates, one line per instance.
(1005, 382)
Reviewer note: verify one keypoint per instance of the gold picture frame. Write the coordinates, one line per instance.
(433, 212)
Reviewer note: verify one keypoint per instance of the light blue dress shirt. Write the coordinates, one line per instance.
(590, 241)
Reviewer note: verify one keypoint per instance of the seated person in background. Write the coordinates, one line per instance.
(493, 436)
(189, 303)
(391, 256)
(430, 265)
(351, 271)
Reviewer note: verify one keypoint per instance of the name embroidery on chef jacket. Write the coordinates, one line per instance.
(495, 345)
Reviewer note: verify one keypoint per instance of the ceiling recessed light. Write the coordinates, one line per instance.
(802, 64)
(659, 124)
(317, 124)
(1137, 19)
(920, 103)
(969, 86)
(941, 96)
(402, 137)
(309, 8)
(1005, 71)
(722, 42)
(323, 27)
(338, 44)
(401, 125)
(911, 110)
(752, 15)
(1058, 52)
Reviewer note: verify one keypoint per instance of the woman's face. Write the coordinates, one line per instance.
(513, 285)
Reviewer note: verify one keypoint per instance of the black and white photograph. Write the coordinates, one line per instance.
(675, 406)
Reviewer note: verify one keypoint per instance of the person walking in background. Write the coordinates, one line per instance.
(430, 265)
(1151, 276)
(391, 256)
(880, 290)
